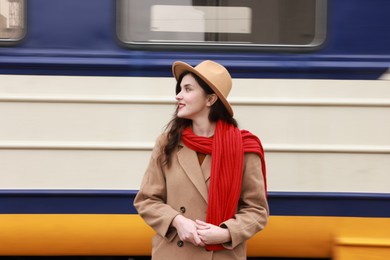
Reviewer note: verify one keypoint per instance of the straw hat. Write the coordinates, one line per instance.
(214, 74)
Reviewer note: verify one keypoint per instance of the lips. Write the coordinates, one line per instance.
(180, 105)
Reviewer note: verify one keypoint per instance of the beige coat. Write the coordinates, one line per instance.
(183, 189)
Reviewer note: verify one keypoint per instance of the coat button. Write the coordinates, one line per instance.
(182, 209)
(180, 243)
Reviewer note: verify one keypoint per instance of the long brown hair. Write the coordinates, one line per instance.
(176, 126)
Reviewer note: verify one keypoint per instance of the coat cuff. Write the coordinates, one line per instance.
(227, 245)
(171, 232)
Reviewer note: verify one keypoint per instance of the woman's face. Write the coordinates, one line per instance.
(193, 102)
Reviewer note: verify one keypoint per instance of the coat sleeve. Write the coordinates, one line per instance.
(150, 201)
(252, 214)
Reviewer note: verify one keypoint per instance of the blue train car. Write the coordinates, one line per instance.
(86, 87)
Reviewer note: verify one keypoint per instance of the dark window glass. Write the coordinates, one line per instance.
(222, 22)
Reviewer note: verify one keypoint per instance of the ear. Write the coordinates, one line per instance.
(211, 99)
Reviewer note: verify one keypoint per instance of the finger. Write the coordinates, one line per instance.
(200, 233)
(198, 241)
(200, 222)
(203, 239)
(201, 227)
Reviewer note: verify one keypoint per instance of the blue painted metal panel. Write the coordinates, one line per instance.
(121, 202)
(79, 38)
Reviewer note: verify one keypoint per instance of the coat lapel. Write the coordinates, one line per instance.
(206, 167)
(189, 162)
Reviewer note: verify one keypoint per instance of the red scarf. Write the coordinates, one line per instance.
(227, 148)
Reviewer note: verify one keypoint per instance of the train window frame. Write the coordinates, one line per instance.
(16, 40)
(320, 33)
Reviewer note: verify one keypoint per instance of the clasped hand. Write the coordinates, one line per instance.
(199, 232)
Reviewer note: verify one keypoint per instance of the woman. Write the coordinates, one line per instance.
(204, 191)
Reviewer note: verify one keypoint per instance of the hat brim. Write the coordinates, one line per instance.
(179, 67)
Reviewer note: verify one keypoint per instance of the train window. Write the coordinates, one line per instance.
(234, 23)
(12, 27)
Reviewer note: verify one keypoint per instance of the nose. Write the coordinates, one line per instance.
(179, 96)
